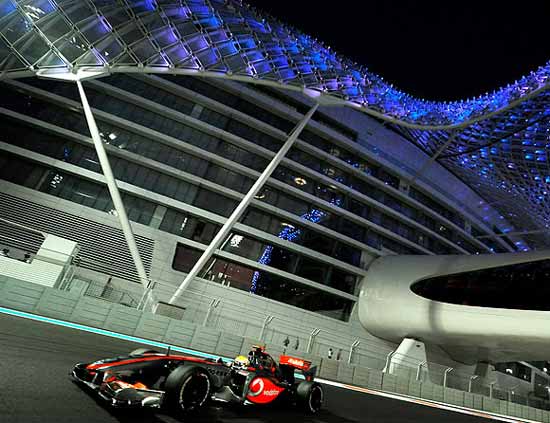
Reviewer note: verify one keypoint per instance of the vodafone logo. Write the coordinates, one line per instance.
(263, 391)
(256, 387)
(296, 362)
(271, 393)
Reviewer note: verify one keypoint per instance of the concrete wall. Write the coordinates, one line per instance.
(47, 267)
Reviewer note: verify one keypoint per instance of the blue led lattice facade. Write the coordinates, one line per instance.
(500, 145)
(220, 37)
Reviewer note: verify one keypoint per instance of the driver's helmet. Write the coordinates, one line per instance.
(257, 357)
(240, 362)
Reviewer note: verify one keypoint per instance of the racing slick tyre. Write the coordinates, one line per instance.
(187, 389)
(141, 351)
(310, 396)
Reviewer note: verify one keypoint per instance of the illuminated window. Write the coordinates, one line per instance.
(235, 241)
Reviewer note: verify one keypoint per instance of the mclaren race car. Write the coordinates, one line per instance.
(182, 384)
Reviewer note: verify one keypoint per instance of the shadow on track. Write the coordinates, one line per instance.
(141, 415)
(216, 413)
(224, 414)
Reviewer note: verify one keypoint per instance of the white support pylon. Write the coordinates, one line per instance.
(113, 188)
(78, 77)
(239, 210)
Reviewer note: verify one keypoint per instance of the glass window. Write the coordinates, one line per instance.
(388, 178)
(306, 237)
(229, 178)
(151, 92)
(305, 159)
(283, 201)
(264, 115)
(188, 226)
(541, 386)
(20, 172)
(234, 274)
(77, 190)
(129, 111)
(138, 210)
(189, 193)
(352, 230)
(515, 369)
(347, 254)
(214, 118)
(394, 246)
(343, 281)
(277, 288)
(19, 101)
(436, 206)
(312, 270)
(359, 209)
(265, 284)
(283, 259)
(185, 258)
(214, 203)
(244, 246)
(203, 87)
(255, 135)
(263, 221)
(318, 242)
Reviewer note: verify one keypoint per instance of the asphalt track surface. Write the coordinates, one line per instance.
(35, 359)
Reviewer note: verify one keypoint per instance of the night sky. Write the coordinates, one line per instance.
(442, 51)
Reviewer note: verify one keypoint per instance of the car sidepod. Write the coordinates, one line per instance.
(263, 390)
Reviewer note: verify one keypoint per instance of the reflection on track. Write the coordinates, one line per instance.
(35, 359)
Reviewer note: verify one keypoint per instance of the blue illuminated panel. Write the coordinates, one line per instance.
(217, 36)
(500, 150)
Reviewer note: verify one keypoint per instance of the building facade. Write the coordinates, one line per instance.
(196, 99)
(185, 150)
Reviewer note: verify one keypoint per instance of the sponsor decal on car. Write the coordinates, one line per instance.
(294, 362)
(271, 393)
(256, 387)
(263, 390)
(119, 385)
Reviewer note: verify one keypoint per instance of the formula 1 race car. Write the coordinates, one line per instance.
(183, 384)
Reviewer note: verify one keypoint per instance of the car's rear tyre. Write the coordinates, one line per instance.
(310, 396)
(187, 388)
(141, 351)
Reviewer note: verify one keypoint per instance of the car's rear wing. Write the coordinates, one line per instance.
(294, 363)
(297, 363)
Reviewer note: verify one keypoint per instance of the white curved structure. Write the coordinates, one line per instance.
(389, 309)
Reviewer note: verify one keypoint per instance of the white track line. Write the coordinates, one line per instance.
(429, 403)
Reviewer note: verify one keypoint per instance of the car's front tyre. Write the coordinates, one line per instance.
(187, 389)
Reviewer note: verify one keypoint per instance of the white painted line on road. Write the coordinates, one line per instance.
(430, 403)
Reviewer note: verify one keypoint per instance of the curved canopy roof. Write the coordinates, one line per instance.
(500, 140)
(506, 160)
